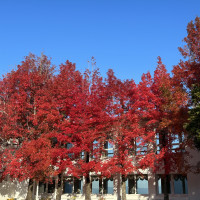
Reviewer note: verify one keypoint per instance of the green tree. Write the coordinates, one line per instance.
(193, 126)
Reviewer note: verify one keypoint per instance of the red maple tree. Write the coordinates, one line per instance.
(171, 113)
(30, 117)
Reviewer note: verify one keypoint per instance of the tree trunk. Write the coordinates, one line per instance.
(46, 189)
(123, 188)
(166, 195)
(166, 166)
(87, 188)
(87, 180)
(29, 195)
(60, 187)
(37, 190)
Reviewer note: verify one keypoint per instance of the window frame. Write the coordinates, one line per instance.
(107, 154)
(133, 179)
(161, 177)
(173, 143)
(73, 181)
(184, 183)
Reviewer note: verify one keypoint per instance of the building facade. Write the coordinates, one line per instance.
(144, 186)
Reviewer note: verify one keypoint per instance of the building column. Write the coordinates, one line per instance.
(117, 187)
(34, 189)
(56, 187)
(152, 185)
(37, 190)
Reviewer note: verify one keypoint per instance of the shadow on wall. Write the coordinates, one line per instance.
(13, 189)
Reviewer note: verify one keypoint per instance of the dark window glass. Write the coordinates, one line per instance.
(68, 187)
(51, 187)
(69, 146)
(109, 149)
(130, 185)
(180, 184)
(42, 187)
(108, 186)
(78, 185)
(161, 184)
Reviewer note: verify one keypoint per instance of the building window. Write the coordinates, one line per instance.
(42, 187)
(69, 146)
(96, 185)
(51, 187)
(95, 149)
(82, 154)
(177, 140)
(107, 186)
(73, 185)
(132, 147)
(130, 185)
(142, 184)
(141, 146)
(100, 186)
(180, 184)
(173, 141)
(78, 186)
(158, 143)
(137, 184)
(161, 184)
(68, 187)
(108, 147)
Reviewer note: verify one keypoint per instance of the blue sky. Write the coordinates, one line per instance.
(124, 35)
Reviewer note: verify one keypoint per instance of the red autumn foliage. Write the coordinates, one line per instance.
(29, 113)
(187, 72)
(60, 124)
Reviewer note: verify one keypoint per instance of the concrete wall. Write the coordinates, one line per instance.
(13, 189)
(17, 190)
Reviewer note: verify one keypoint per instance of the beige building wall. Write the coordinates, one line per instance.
(14, 189)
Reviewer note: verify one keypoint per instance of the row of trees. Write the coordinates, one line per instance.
(56, 124)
